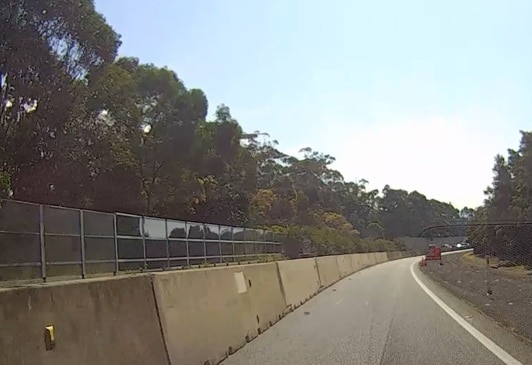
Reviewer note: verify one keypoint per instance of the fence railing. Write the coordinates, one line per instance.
(496, 276)
(41, 241)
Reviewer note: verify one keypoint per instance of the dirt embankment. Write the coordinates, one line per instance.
(510, 301)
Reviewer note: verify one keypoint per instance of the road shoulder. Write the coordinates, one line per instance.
(517, 347)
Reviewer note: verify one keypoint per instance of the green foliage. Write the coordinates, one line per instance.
(49, 52)
(5, 185)
(502, 225)
(81, 128)
(328, 241)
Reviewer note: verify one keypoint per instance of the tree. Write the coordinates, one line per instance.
(501, 227)
(79, 127)
(49, 50)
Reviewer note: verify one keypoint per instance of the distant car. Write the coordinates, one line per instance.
(463, 245)
(447, 246)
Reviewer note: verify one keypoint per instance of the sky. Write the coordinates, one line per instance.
(417, 94)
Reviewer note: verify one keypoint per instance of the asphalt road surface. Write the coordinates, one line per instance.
(382, 315)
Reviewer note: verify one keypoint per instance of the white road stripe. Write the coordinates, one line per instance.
(489, 344)
(338, 302)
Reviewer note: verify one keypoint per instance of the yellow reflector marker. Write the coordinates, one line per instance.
(49, 337)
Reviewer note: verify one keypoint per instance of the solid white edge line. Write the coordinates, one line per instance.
(489, 344)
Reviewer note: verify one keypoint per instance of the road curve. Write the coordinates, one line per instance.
(380, 315)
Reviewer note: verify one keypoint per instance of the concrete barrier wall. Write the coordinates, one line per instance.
(265, 295)
(344, 265)
(207, 314)
(372, 258)
(181, 317)
(381, 257)
(299, 279)
(365, 260)
(106, 321)
(328, 270)
(358, 261)
(394, 255)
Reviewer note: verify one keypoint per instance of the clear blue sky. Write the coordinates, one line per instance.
(417, 94)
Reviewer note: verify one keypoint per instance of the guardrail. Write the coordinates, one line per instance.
(39, 241)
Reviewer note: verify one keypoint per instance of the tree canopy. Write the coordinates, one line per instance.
(80, 127)
(503, 225)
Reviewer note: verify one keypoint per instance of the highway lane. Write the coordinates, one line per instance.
(380, 315)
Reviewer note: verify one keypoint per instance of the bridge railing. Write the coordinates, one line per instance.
(39, 241)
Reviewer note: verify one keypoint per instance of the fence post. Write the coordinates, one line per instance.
(252, 236)
(488, 253)
(41, 242)
(220, 242)
(115, 238)
(82, 243)
(233, 243)
(246, 245)
(264, 245)
(145, 262)
(167, 242)
(204, 245)
(186, 244)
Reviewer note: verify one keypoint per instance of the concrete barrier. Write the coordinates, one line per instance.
(365, 260)
(182, 317)
(344, 265)
(358, 261)
(299, 279)
(395, 255)
(207, 314)
(381, 257)
(265, 295)
(373, 258)
(104, 321)
(328, 270)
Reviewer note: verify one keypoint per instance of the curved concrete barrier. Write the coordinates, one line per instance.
(381, 257)
(372, 258)
(328, 270)
(344, 265)
(104, 321)
(265, 295)
(197, 316)
(357, 261)
(206, 314)
(299, 279)
(365, 260)
(395, 255)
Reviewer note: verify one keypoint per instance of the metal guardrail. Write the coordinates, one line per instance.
(39, 241)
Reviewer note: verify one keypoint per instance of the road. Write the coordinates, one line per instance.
(381, 315)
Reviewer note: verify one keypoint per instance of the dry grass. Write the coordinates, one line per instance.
(471, 259)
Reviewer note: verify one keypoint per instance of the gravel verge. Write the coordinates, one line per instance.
(510, 301)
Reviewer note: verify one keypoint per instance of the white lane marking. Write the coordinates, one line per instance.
(489, 344)
(338, 302)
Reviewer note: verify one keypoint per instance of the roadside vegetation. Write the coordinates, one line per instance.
(80, 127)
(503, 225)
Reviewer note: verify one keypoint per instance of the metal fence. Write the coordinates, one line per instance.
(496, 276)
(41, 241)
